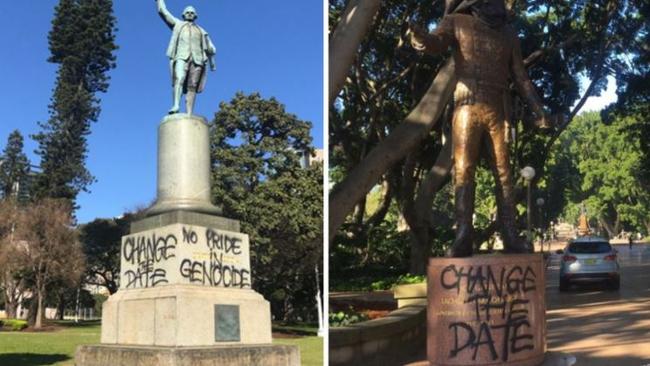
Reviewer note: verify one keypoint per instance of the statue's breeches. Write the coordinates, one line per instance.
(194, 73)
(473, 125)
(190, 75)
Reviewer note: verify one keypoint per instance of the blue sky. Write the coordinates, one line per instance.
(274, 47)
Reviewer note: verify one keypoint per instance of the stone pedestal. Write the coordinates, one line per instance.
(185, 293)
(486, 310)
(183, 166)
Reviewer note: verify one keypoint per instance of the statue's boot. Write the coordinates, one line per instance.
(464, 207)
(512, 241)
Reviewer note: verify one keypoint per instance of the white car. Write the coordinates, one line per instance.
(589, 259)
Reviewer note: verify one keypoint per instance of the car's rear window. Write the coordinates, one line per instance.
(590, 247)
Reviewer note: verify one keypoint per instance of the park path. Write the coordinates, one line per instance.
(599, 326)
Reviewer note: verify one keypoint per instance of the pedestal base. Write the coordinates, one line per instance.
(258, 355)
(486, 310)
(186, 316)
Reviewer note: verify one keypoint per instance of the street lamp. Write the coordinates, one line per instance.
(528, 173)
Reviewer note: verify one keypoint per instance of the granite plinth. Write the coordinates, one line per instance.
(183, 316)
(486, 310)
(258, 355)
(183, 166)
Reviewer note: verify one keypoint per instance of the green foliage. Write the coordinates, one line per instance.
(257, 179)
(605, 161)
(356, 264)
(15, 167)
(13, 325)
(343, 318)
(81, 42)
(390, 282)
(101, 241)
(305, 329)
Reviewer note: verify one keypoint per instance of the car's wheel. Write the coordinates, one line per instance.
(564, 285)
(615, 284)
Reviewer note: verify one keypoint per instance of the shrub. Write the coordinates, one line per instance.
(389, 282)
(341, 319)
(13, 325)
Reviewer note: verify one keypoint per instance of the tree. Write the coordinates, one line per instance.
(14, 168)
(256, 149)
(81, 42)
(102, 241)
(49, 250)
(633, 86)
(12, 279)
(346, 38)
(381, 134)
(607, 159)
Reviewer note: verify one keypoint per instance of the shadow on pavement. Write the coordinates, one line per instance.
(600, 326)
(31, 359)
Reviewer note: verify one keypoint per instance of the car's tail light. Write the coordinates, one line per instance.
(611, 257)
(569, 258)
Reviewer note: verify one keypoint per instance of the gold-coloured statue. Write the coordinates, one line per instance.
(487, 56)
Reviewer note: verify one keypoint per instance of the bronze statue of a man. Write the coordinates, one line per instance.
(487, 55)
(190, 49)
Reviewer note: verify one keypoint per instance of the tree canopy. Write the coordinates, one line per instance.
(606, 163)
(81, 42)
(14, 168)
(257, 148)
(101, 241)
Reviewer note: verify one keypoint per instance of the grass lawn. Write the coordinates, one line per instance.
(46, 348)
(57, 347)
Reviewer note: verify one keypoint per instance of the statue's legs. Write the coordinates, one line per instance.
(499, 160)
(193, 76)
(180, 73)
(466, 137)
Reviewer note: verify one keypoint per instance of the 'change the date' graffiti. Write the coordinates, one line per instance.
(146, 253)
(499, 304)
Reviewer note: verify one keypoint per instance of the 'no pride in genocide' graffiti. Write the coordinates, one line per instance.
(487, 312)
(185, 254)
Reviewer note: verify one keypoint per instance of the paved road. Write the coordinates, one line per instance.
(600, 326)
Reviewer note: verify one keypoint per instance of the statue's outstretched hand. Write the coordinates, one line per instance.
(418, 37)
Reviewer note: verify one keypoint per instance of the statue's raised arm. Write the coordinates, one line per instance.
(169, 19)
